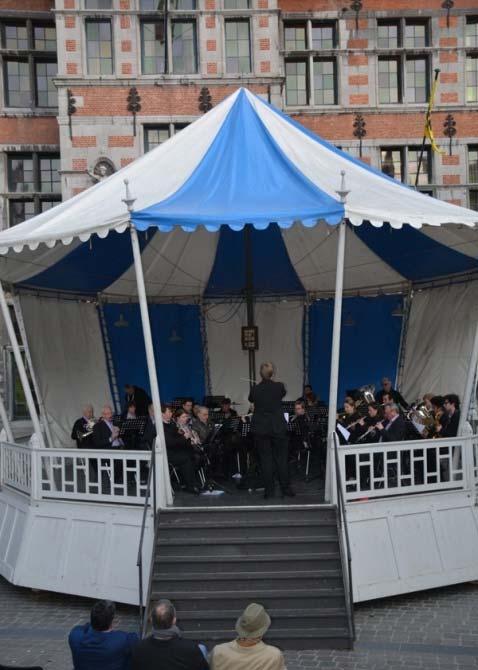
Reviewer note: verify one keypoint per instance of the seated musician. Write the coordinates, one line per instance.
(149, 434)
(202, 425)
(183, 423)
(366, 430)
(394, 395)
(187, 406)
(438, 413)
(394, 428)
(82, 431)
(180, 450)
(451, 417)
(138, 396)
(227, 410)
(131, 437)
(105, 433)
(300, 427)
(232, 454)
(350, 414)
(131, 411)
(427, 401)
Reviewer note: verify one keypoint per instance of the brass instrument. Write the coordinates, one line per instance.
(90, 424)
(420, 415)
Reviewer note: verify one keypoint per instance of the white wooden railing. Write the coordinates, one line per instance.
(16, 467)
(403, 468)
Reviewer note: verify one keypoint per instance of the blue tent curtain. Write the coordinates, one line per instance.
(177, 342)
(369, 345)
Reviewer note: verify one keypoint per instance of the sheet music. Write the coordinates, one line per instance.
(343, 431)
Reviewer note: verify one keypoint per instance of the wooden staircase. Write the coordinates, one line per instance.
(212, 562)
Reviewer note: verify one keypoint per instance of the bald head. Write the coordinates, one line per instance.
(163, 615)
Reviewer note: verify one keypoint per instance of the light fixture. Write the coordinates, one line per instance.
(174, 337)
(121, 322)
(349, 321)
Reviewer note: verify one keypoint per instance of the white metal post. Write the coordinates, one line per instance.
(21, 367)
(5, 420)
(164, 494)
(470, 383)
(330, 476)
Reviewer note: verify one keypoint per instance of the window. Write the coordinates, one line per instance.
(472, 78)
(415, 34)
(182, 4)
(29, 73)
(388, 80)
(388, 34)
(153, 47)
(99, 48)
(311, 79)
(236, 4)
(417, 80)
(156, 135)
(401, 163)
(473, 176)
(238, 47)
(471, 31)
(33, 184)
(98, 4)
(184, 48)
(151, 5)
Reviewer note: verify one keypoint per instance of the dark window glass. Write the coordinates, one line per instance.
(21, 210)
(20, 174)
(45, 88)
(416, 34)
(473, 164)
(412, 166)
(474, 199)
(237, 4)
(296, 82)
(295, 37)
(392, 163)
(471, 31)
(153, 47)
(18, 92)
(238, 47)
(152, 5)
(99, 49)
(49, 176)
(323, 36)
(184, 47)
(324, 82)
(98, 4)
(183, 4)
(45, 38)
(417, 80)
(472, 78)
(388, 80)
(155, 135)
(16, 37)
(388, 35)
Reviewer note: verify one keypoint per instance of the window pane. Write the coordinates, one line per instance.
(296, 82)
(474, 199)
(153, 48)
(48, 204)
(417, 80)
(387, 35)
(471, 31)
(184, 47)
(416, 35)
(18, 92)
(324, 82)
(388, 82)
(182, 4)
(473, 165)
(323, 36)
(98, 4)
(154, 136)
(21, 210)
(46, 89)
(16, 37)
(20, 174)
(392, 163)
(99, 47)
(151, 5)
(238, 49)
(45, 38)
(236, 4)
(472, 79)
(295, 37)
(49, 177)
(425, 169)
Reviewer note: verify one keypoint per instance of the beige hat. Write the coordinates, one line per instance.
(253, 622)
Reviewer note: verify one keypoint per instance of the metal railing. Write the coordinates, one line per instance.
(139, 561)
(344, 550)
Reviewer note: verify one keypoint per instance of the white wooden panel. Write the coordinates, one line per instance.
(458, 533)
(379, 564)
(16, 538)
(85, 553)
(12, 523)
(415, 544)
(44, 547)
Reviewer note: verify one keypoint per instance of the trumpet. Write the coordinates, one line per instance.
(89, 425)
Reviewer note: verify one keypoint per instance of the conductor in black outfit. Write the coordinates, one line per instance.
(269, 429)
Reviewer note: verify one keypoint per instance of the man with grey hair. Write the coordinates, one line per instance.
(394, 428)
(393, 394)
(82, 431)
(165, 648)
(201, 424)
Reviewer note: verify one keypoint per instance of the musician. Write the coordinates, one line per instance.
(451, 405)
(105, 433)
(395, 396)
(227, 410)
(180, 451)
(139, 397)
(269, 429)
(350, 414)
(202, 425)
(131, 411)
(300, 424)
(187, 406)
(366, 426)
(231, 445)
(309, 396)
(131, 437)
(149, 435)
(394, 428)
(427, 400)
(82, 432)
(183, 423)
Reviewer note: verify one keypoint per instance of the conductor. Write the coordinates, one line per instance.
(269, 429)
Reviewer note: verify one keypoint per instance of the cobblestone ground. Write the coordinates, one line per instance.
(423, 631)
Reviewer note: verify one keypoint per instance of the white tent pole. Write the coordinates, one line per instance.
(164, 494)
(330, 476)
(21, 367)
(6, 421)
(470, 383)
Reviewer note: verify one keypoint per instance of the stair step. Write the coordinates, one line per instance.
(236, 581)
(271, 598)
(245, 530)
(290, 619)
(249, 523)
(248, 545)
(180, 565)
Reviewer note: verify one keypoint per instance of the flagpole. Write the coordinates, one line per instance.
(424, 141)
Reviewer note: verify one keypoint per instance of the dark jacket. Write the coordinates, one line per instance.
(268, 417)
(173, 437)
(174, 654)
(140, 398)
(79, 427)
(396, 396)
(397, 431)
(95, 650)
(101, 435)
(450, 425)
(149, 435)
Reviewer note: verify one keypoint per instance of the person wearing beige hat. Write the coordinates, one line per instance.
(248, 651)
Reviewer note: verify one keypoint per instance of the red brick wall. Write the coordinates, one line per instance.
(28, 5)
(369, 5)
(29, 131)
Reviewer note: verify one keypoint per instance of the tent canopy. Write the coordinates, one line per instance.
(242, 163)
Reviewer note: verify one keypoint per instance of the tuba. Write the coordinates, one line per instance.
(420, 415)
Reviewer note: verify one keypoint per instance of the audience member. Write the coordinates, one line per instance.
(96, 646)
(165, 648)
(248, 651)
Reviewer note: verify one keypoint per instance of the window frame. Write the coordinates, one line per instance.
(172, 126)
(404, 150)
(156, 20)
(473, 56)
(238, 19)
(99, 19)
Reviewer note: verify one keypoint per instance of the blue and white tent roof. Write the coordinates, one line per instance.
(243, 162)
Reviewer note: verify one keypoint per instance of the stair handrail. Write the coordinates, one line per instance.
(342, 519)
(139, 561)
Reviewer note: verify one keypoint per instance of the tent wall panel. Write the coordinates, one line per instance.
(65, 342)
(280, 340)
(368, 348)
(178, 347)
(439, 340)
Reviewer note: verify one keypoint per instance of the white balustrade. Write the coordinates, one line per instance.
(16, 467)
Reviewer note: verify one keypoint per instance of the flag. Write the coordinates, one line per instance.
(428, 132)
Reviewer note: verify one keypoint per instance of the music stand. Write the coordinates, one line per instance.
(213, 401)
(131, 429)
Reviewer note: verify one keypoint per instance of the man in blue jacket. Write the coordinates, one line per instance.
(96, 646)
